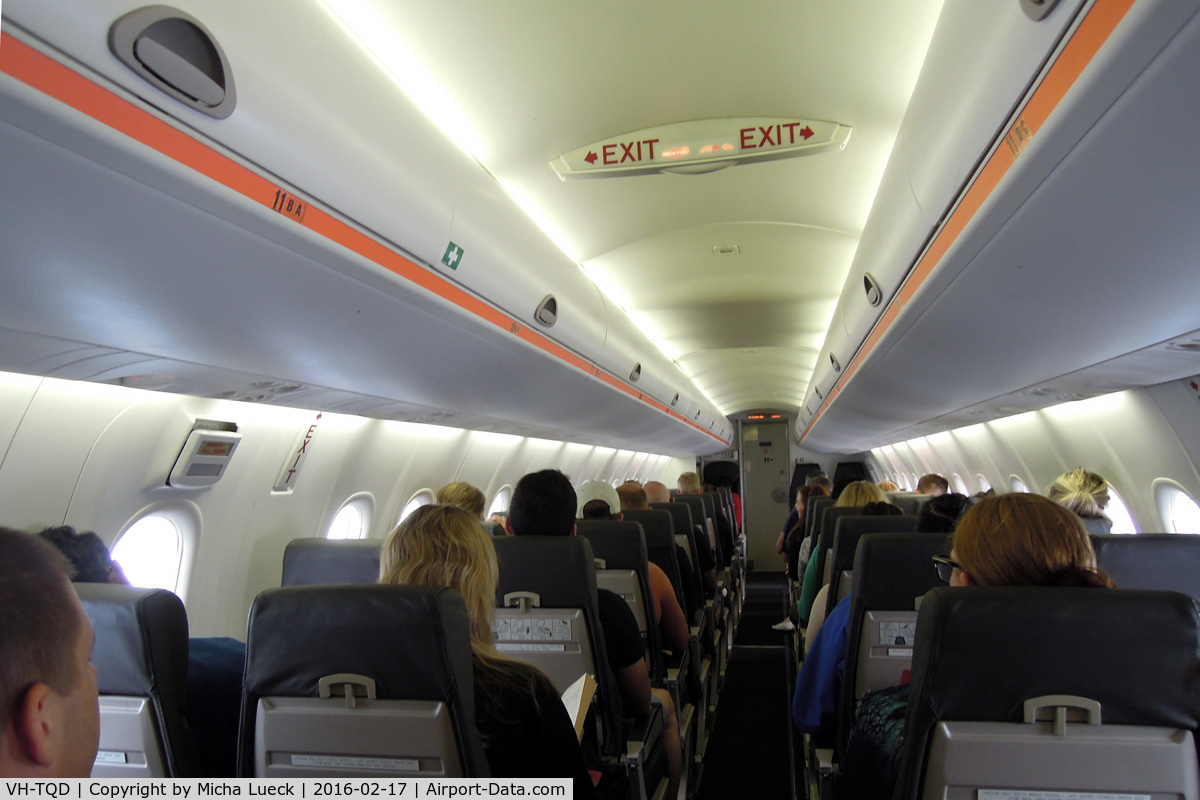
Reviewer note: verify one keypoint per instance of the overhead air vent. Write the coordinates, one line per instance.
(727, 250)
(834, 362)
(547, 311)
(175, 53)
(637, 373)
(874, 293)
(675, 400)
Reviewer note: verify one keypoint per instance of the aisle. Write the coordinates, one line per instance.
(749, 754)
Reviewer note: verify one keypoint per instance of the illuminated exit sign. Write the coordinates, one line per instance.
(701, 146)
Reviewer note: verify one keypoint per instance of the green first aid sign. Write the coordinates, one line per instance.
(452, 256)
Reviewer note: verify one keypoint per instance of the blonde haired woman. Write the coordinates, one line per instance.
(463, 495)
(860, 493)
(1085, 493)
(525, 728)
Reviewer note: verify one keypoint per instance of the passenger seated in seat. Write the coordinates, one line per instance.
(706, 562)
(794, 546)
(858, 493)
(689, 483)
(215, 664)
(544, 504)
(888, 486)
(940, 514)
(1085, 493)
(933, 484)
(818, 685)
(598, 500)
(463, 495)
(525, 728)
(816, 616)
(1008, 540)
(49, 712)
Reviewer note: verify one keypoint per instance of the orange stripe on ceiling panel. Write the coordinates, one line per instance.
(40, 72)
(1093, 31)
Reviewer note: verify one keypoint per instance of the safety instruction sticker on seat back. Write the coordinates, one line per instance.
(527, 633)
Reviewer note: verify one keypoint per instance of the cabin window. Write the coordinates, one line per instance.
(500, 501)
(960, 485)
(424, 497)
(1019, 485)
(984, 486)
(352, 520)
(1178, 510)
(1118, 512)
(150, 552)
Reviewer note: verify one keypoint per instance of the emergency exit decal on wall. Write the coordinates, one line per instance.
(290, 472)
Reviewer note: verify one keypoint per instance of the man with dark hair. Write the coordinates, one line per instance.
(544, 504)
(49, 710)
(633, 497)
(87, 552)
(933, 484)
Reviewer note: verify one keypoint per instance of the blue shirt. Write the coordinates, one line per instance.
(814, 703)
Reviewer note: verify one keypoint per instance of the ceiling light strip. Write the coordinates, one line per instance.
(1094, 30)
(54, 79)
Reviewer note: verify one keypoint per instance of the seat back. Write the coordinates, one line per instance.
(908, 502)
(318, 561)
(359, 681)
(846, 533)
(723, 518)
(892, 572)
(685, 537)
(558, 630)
(658, 527)
(140, 657)
(701, 518)
(988, 657)
(812, 514)
(823, 547)
(1168, 561)
(621, 547)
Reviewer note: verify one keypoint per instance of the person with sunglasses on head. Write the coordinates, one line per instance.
(1007, 540)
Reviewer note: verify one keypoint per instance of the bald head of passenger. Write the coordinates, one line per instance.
(657, 492)
(633, 497)
(49, 713)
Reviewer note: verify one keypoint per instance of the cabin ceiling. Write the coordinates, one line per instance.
(524, 86)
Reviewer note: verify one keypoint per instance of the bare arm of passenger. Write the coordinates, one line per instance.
(633, 682)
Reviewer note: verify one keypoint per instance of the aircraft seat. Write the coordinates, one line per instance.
(621, 547)
(1167, 561)
(892, 572)
(548, 615)
(141, 658)
(359, 681)
(908, 502)
(847, 532)
(319, 561)
(988, 658)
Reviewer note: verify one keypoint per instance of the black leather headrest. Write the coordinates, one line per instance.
(414, 641)
(310, 562)
(849, 529)
(141, 638)
(982, 651)
(142, 651)
(681, 516)
(559, 568)
(1167, 561)
(622, 545)
(891, 570)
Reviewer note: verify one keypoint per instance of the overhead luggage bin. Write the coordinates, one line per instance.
(307, 212)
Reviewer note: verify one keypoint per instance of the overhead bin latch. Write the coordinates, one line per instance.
(177, 55)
